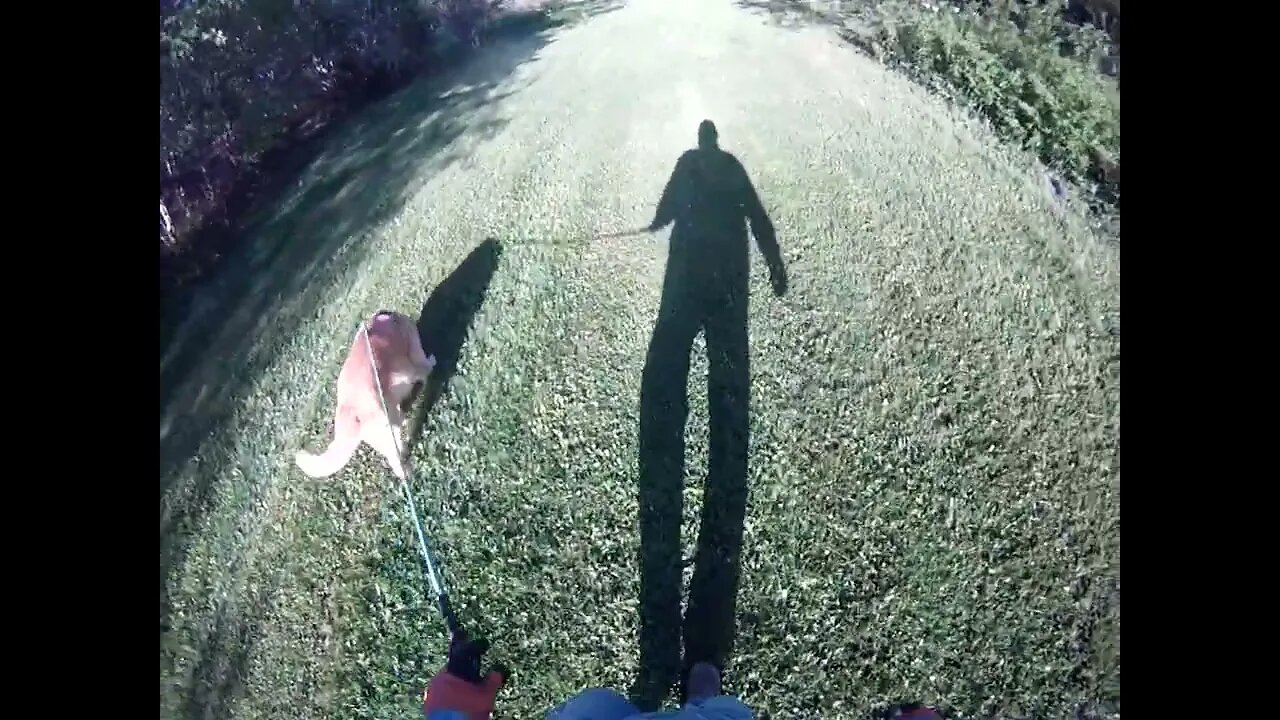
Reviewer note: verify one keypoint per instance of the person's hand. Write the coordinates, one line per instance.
(778, 279)
(460, 686)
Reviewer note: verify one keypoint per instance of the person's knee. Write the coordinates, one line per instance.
(720, 707)
(594, 704)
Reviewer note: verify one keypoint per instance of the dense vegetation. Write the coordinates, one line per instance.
(244, 83)
(1045, 75)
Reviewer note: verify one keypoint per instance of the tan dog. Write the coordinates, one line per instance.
(402, 365)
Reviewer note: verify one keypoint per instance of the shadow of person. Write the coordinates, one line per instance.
(711, 201)
(446, 319)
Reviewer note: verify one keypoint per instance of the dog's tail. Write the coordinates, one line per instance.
(334, 458)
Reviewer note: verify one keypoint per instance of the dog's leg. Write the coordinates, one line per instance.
(402, 433)
(379, 437)
(408, 392)
(422, 362)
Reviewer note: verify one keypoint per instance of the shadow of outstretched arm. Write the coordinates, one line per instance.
(766, 239)
(669, 203)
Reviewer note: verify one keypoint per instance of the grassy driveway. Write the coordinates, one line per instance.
(900, 478)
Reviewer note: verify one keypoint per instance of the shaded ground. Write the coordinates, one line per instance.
(929, 505)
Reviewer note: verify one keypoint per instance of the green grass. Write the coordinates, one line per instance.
(933, 472)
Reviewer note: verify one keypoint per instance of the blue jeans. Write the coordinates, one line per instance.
(605, 704)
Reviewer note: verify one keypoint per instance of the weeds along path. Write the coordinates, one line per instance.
(926, 506)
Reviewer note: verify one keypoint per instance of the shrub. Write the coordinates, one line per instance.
(1028, 70)
(239, 78)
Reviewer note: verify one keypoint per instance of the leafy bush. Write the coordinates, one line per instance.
(1027, 69)
(239, 78)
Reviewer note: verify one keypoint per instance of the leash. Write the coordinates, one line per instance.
(581, 240)
(433, 573)
(623, 234)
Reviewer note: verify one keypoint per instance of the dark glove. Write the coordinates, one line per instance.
(460, 685)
